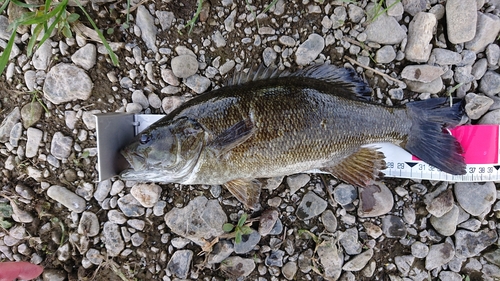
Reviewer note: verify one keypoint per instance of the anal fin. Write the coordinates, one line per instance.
(246, 191)
(360, 168)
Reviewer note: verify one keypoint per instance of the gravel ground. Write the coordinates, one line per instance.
(55, 213)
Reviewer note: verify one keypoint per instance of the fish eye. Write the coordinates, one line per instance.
(145, 138)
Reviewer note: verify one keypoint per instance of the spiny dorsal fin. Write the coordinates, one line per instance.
(341, 77)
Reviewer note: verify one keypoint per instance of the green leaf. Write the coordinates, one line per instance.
(110, 31)
(227, 227)
(73, 17)
(4, 5)
(246, 230)
(32, 41)
(237, 239)
(5, 224)
(5, 210)
(242, 219)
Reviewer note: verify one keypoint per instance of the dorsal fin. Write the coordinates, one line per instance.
(341, 77)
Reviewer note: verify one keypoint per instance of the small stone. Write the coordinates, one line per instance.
(385, 30)
(31, 113)
(146, 194)
(479, 68)
(139, 97)
(184, 66)
(449, 276)
(248, 242)
(441, 204)
(229, 21)
(60, 146)
(493, 257)
(488, 26)
(413, 7)
(169, 77)
(287, 41)
(112, 239)
(446, 57)
(34, 140)
(146, 23)
(275, 258)
(154, 101)
(446, 224)
(237, 267)
(65, 83)
(386, 54)
(267, 221)
(477, 105)
(8, 123)
(199, 221)
(461, 18)
(396, 8)
(102, 190)
(492, 117)
(67, 198)
(329, 221)
(355, 13)
(25, 191)
(296, 182)
(168, 104)
(289, 270)
(345, 194)
(269, 56)
(94, 256)
(166, 18)
(404, 263)
(471, 224)
(311, 205)
(349, 241)
(218, 39)
(41, 57)
(419, 250)
(338, 17)
(475, 198)
(420, 33)
(180, 262)
(422, 73)
(309, 49)
(493, 54)
(432, 87)
(372, 230)
(393, 227)
(19, 214)
(490, 84)
(89, 224)
(359, 261)
(15, 134)
(439, 255)
(375, 200)
(469, 244)
(85, 56)
(226, 67)
(220, 252)
(117, 217)
(197, 83)
(130, 206)
(331, 258)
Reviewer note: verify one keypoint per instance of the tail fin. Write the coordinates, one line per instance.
(429, 140)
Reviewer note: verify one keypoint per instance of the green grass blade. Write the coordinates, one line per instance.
(34, 36)
(24, 5)
(4, 5)
(269, 6)
(112, 54)
(4, 59)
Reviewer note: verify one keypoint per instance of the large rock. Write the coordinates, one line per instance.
(488, 26)
(146, 23)
(65, 83)
(461, 18)
(385, 30)
(420, 33)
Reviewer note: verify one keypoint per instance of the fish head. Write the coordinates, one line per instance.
(167, 152)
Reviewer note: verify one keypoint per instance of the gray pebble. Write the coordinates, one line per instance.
(439, 255)
(393, 227)
(471, 224)
(287, 41)
(218, 39)
(446, 57)
(139, 97)
(146, 194)
(65, 83)
(469, 244)
(359, 261)
(440, 204)
(396, 9)
(41, 57)
(8, 123)
(477, 105)
(449, 276)
(311, 205)
(117, 187)
(30, 79)
(375, 200)
(269, 56)
(229, 21)
(432, 87)
(31, 113)
(385, 30)
(94, 256)
(166, 18)
(475, 198)
(15, 134)
(413, 7)
(133, 108)
(349, 241)
(461, 18)
(226, 67)
(479, 68)
(154, 101)
(197, 83)
(463, 74)
(25, 191)
(184, 66)
(338, 17)
(422, 73)
(200, 220)
(419, 250)
(248, 242)
(289, 270)
(355, 13)
(396, 94)
(331, 258)
(220, 252)
(275, 258)
(492, 117)
(488, 26)
(345, 194)
(420, 33)
(88, 118)
(329, 221)
(490, 84)
(67, 198)
(146, 23)
(237, 267)
(277, 228)
(116, 217)
(89, 224)
(267, 221)
(85, 56)
(102, 190)
(309, 49)
(169, 77)
(112, 239)
(297, 181)
(404, 263)
(4, 30)
(168, 104)
(493, 54)
(446, 225)
(386, 54)
(130, 206)
(468, 58)
(60, 146)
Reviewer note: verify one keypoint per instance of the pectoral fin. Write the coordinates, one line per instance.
(360, 168)
(246, 191)
(232, 137)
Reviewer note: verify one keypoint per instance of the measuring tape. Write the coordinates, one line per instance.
(481, 152)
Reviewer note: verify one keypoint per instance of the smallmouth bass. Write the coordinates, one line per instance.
(278, 123)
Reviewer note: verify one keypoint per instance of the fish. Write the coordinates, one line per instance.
(273, 123)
